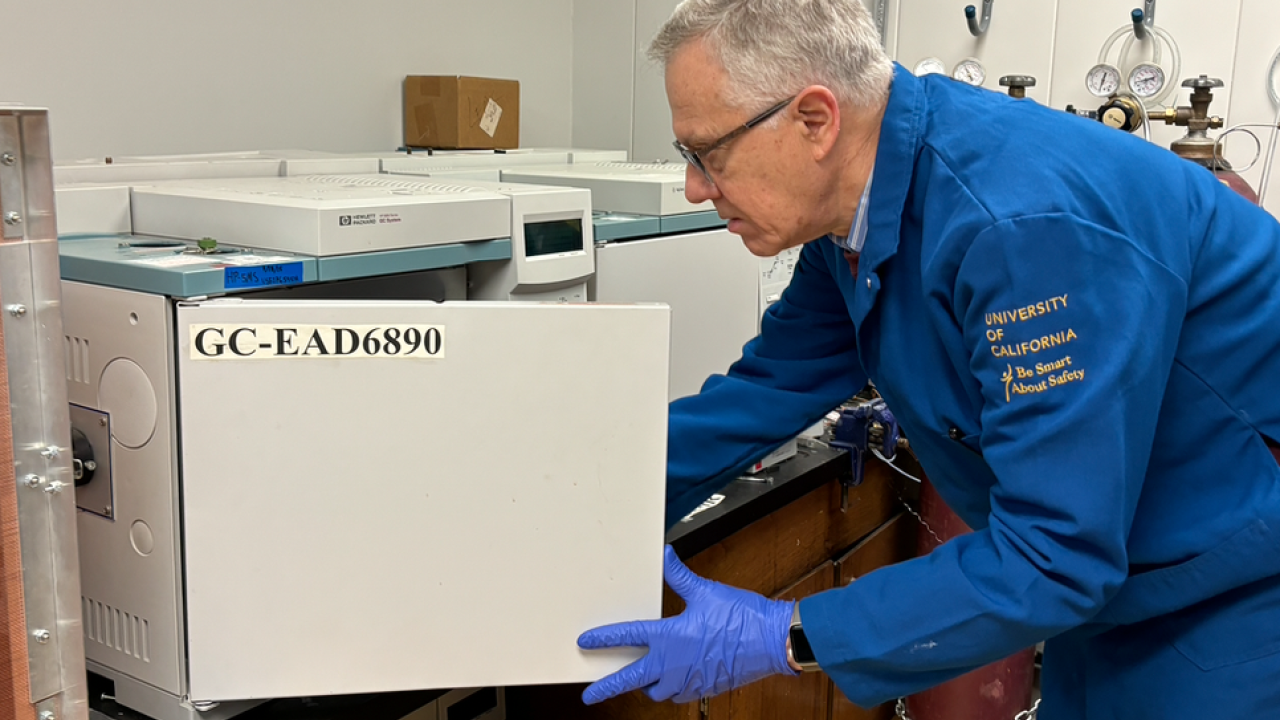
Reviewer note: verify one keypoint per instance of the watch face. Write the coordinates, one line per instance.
(801, 650)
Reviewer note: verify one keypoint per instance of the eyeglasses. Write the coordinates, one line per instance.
(694, 157)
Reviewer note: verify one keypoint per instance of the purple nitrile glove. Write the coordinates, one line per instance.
(725, 638)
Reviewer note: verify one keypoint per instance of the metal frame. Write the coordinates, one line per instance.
(156, 703)
(31, 303)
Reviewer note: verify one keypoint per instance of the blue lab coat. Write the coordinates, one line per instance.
(1080, 335)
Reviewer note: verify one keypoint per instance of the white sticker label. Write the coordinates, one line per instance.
(492, 114)
(284, 341)
(710, 502)
(175, 260)
(252, 259)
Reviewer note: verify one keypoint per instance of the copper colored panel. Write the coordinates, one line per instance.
(15, 686)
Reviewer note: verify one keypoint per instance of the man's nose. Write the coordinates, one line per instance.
(696, 186)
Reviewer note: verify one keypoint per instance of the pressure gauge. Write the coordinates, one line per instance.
(1146, 80)
(1103, 80)
(930, 66)
(1271, 79)
(970, 71)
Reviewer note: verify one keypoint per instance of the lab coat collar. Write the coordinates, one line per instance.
(896, 153)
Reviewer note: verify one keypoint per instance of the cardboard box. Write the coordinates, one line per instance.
(450, 111)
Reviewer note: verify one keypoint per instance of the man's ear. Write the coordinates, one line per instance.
(819, 114)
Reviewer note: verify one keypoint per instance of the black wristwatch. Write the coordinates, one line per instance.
(799, 651)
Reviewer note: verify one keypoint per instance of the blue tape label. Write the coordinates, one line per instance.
(236, 278)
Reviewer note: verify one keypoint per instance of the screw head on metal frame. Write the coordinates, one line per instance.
(12, 218)
(46, 715)
(49, 453)
(8, 158)
(17, 310)
(32, 481)
(41, 636)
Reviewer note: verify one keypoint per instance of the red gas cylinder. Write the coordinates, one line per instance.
(1232, 179)
(998, 691)
(1220, 168)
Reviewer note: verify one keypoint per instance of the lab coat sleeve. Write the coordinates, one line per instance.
(1071, 330)
(801, 366)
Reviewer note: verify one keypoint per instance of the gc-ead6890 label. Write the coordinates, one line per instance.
(284, 341)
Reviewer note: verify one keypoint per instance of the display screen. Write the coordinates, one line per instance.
(549, 238)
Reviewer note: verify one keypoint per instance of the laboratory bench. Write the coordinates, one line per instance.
(787, 532)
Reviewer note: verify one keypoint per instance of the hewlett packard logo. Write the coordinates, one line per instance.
(363, 219)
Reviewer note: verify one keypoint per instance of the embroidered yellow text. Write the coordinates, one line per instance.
(1023, 314)
(1031, 347)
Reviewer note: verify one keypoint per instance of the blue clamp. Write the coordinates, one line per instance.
(868, 426)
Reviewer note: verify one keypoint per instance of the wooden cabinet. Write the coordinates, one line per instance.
(892, 542)
(782, 697)
(790, 553)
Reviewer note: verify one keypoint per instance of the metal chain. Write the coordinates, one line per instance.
(900, 711)
(919, 518)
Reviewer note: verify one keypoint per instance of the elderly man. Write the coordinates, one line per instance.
(1079, 332)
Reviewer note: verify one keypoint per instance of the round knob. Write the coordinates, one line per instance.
(1017, 81)
(1204, 81)
(1121, 113)
(84, 464)
(1017, 84)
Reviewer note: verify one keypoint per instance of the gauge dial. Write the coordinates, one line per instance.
(970, 71)
(1146, 80)
(929, 66)
(1272, 87)
(1103, 80)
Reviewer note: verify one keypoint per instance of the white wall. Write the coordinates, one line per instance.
(131, 77)
(652, 134)
(1251, 103)
(650, 117)
(603, 73)
(1018, 41)
(1055, 40)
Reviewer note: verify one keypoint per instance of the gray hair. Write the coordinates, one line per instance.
(773, 48)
